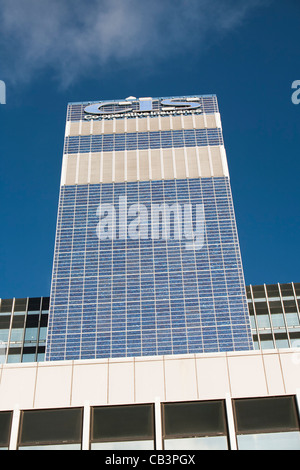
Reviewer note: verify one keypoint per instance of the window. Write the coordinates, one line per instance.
(266, 342)
(277, 320)
(20, 307)
(31, 335)
(6, 306)
(297, 288)
(195, 425)
(5, 426)
(263, 321)
(273, 291)
(14, 355)
(292, 319)
(2, 354)
(258, 292)
(4, 335)
(122, 427)
(51, 429)
(286, 290)
(34, 305)
(267, 423)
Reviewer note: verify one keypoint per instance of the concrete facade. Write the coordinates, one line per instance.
(148, 379)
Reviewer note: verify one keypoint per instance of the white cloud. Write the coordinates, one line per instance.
(73, 37)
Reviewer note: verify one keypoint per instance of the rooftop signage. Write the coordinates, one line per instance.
(142, 107)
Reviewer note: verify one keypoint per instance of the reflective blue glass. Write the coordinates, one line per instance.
(128, 297)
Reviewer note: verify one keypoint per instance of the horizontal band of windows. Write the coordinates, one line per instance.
(148, 140)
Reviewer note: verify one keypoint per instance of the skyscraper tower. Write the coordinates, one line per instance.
(147, 258)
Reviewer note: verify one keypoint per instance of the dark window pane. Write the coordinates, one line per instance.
(6, 305)
(261, 308)
(293, 337)
(45, 303)
(258, 292)
(18, 322)
(286, 290)
(297, 288)
(248, 292)
(265, 415)
(290, 306)
(122, 422)
(5, 425)
(272, 290)
(44, 320)
(14, 351)
(29, 350)
(251, 309)
(51, 426)
(34, 304)
(194, 419)
(275, 306)
(32, 321)
(4, 322)
(20, 305)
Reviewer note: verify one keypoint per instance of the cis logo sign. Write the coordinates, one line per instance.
(145, 105)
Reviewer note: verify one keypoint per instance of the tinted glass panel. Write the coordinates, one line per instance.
(16, 335)
(4, 335)
(31, 334)
(5, 423)
(20, 305)
(258, 292)
(297, 288)
(6, 305)
(18, 321)
(277, 320)
(51, 426)
(4, 322)
(194, 418)
(290, 306)
(34, 304)
(122, 422)
(263, 321)
(32, 321)
(261, 308)
(44, 320)
(45, 303)
(273, 290)
(265, 414)
(275, 306)
(266, 343)
(286, 290)
(292, 319)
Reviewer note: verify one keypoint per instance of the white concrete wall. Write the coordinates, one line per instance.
(146, 379)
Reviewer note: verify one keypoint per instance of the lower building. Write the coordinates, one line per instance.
(23, 329)
(217, 401)
(274, 313)
(214, 401)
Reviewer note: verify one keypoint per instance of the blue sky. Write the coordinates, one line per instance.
(246, 52)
